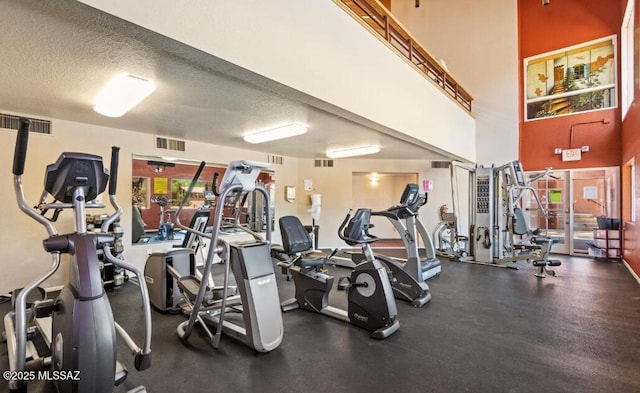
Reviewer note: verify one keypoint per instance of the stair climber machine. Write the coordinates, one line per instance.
(77, 325)
(370, 301)
(498, 229)
(249, 312)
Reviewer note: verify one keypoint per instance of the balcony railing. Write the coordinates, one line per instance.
(374, 15)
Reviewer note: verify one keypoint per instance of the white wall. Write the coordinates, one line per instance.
(21, 237)
(335, 60)
(314, 47)
(478, 41)
(336, 187)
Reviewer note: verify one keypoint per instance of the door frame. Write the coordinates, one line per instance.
(568, 175)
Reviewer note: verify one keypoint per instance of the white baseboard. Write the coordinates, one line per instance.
(631, 271)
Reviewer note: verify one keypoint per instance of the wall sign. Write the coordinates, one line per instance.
(161, 185)
(572, 155)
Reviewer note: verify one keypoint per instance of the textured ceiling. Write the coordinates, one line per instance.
(56, 55)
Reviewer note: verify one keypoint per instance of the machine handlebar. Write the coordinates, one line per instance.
(113, 171)
(193, 183)
(214, 185)
(20, 153)
(364, 239)
(342, 225)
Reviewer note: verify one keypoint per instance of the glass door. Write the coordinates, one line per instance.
(594, 194)
(553, 193)
(573, 199)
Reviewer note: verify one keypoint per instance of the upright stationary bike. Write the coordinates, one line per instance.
(165, 227)
(78, 325)
(370, 299)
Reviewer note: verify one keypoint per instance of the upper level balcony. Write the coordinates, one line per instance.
(382, 23)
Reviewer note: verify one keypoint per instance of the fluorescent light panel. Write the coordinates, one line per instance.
(273, 134)
(353, 151)
(121, 94)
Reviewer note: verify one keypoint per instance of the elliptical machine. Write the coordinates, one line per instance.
(260, 324)
(370, 298)
(78, 325)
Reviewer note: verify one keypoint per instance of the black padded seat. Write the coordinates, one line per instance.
(313, 259)
(296, 240)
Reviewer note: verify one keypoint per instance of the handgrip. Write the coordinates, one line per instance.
(113, 172)
(193, 183)
(341, 227)
(214, 186)
(20, 153)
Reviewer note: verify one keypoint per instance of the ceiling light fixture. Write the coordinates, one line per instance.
(122, 93)
(273, 134)
(353, 151)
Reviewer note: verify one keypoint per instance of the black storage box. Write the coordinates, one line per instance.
(608, 223)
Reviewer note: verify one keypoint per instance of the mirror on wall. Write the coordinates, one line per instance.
(159, 185)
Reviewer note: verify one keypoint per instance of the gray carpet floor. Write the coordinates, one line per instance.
(486, 330)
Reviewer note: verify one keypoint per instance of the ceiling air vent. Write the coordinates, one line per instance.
(440, 164)
(170, 144)
(37, 125)
(276, 160)
(323, 163)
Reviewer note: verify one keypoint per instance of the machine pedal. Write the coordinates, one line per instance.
(539, 263)
(121, 373)
(555, 262)
(44, 308)
(344, 283)
(190, 286)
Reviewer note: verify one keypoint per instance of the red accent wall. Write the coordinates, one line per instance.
(548, 28)
(151, 213)
(631, 149)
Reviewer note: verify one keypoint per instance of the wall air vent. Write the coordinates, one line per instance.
(276, 160)
(323, 163)
(170, 144)
(440, 164)
(37, 125)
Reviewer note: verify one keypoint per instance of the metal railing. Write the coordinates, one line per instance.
(374, 15)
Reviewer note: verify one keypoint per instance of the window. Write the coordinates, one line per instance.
(140, 191)
(629, 191)
(575, 79)
(627, 77)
